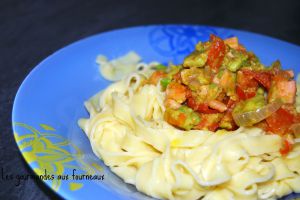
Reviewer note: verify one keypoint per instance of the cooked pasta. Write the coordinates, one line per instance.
(127, 131)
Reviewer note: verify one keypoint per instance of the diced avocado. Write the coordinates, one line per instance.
(227, 122)
(165, 82)
(234, 62)
(252, 63)
(160, 67)
(174, 69)
(194, 76)
(203, 79)
(213, 118)
(253, 66)
(226, 125)
(195, 59)
(192, 117)
(220, 74)
(202, 47)
(213, 91)
(190, 120)
(260, 91)
(251, 104)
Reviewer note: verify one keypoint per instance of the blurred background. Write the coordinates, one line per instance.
(31, 30)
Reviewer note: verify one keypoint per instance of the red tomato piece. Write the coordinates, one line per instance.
(245, 78)
(216, 52)
(192, 103)
(205, 124)
(280, 121)
(202, 108)
(264, 78)
(287, 147)
(243, 95)
(213, 127)
(246, 84)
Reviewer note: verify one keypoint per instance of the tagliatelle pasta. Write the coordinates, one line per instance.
(127, 131)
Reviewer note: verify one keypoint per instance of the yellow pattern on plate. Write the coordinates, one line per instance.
(51, 152)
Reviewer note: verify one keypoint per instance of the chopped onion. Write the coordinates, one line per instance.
(253, 117)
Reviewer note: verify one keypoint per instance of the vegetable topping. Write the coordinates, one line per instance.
(222, 86)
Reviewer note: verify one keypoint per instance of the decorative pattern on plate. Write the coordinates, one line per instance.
(46, 150)
(174, 41)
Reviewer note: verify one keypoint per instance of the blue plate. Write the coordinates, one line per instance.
(50, 100)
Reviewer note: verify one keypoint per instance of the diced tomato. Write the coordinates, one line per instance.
(280, 121)
(213, 127)
(246, 84)
(216, 52)
(209, 122)
(264, 79)
(188, 93)
(202, 108)
(154, 78)
(287, 147)
(245, 78)
(240, 93)
(243, 95)
(192, 103)
(176, 91)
